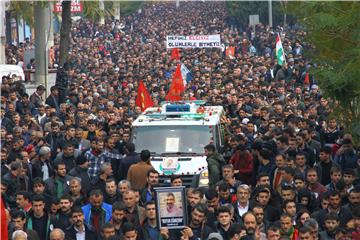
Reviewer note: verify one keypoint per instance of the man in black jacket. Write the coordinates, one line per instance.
(36, 98)
(118, 217)
(58, 184)
(41, 167)
(113, 155)
(62, 81)
(213, 204)
(79, 230)
(76, 192)
(67, 155)
(354, 199)
(334, 206)
(69, 137)
(150, 228)
(54, 139)
(224, 221)
(81, 171)
(18, 220)
(25, 105)
(197, 229)
(39, 220)
(13, 179)
(147, 193)
(131, 158)
(262, 198)
(39, 188)
(64, 216)
(111, 194)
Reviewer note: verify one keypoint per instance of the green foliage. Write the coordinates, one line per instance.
(334, 30)
(91, 9)
(25, 9)
(129, 7)
(241, 10)
(109, 8)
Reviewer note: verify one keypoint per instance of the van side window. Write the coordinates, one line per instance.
(219, 135)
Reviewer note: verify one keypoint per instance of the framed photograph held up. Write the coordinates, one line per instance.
(171, 207)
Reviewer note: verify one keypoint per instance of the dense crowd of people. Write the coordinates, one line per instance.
(70, 171)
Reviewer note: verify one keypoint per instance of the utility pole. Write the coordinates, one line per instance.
(50, 39)
(41, 54)
(2, 33)
(116, 10)
(102, 8)
(270, 13)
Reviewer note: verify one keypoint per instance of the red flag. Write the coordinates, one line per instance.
(230, 52)
(143, 98)
(177, 86)
(175, 54)
(307, 79)
(4, 227)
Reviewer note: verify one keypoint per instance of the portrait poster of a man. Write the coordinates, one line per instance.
(171, 207)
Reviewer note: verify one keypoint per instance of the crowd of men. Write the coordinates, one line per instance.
(69, 170)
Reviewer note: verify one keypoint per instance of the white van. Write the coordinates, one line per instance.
(176, 135)
(8, 69)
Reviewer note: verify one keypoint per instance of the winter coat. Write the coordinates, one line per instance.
(215, 163)
(243, 162)
(347, 159)
(90, 234)
(87, 212)
(84, 176)
(126, 162)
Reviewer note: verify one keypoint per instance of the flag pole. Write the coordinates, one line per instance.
(282, 47)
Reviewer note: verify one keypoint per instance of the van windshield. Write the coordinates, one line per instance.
(172, 139)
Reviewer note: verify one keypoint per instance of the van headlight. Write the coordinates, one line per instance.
(204, 178)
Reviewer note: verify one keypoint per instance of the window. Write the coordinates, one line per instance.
(170, 139)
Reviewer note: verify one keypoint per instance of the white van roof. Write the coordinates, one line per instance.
(8, 69)
(187, 113)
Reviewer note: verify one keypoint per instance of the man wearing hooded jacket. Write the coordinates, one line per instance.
(215, 162)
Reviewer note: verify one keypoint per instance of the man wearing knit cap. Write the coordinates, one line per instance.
(215, 236)
(41, 166)
(80, 171)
